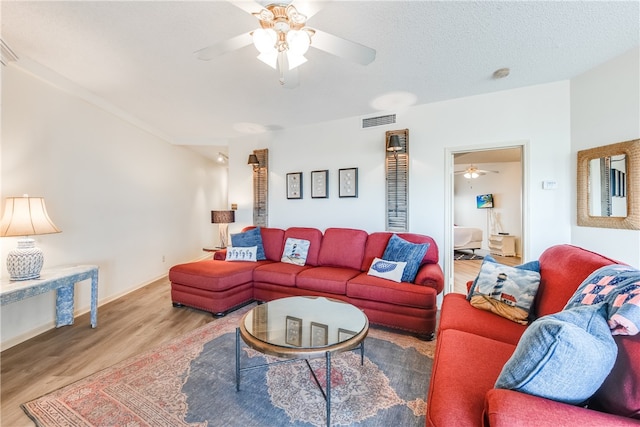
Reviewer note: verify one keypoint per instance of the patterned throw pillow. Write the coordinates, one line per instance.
(248, 239)
(295, 251)
(618, 287)
(384, 269)
(564, 356)
(399, 249)
(241, 254)
(506, 291)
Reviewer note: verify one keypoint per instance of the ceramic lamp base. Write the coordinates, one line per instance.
(25, 261)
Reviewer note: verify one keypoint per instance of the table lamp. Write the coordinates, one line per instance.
(223, 218)
(25, 216)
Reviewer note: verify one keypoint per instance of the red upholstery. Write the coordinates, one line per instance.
(326, 279)
(562, 269)
(457, 313)
(462, 376)
(507, 408)
(333, 260)
(364, 286)
(473, 345)
(342, 247)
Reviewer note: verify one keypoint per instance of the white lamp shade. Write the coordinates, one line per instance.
(26, 216)
(265, 40)
(298, 42)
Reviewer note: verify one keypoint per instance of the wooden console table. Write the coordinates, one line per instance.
(63, 281)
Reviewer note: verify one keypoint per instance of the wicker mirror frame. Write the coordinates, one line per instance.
(632, 221)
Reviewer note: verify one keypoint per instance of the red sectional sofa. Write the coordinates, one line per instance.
(473, 345)
(336, 266)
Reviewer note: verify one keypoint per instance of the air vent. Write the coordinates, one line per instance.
(378, 121)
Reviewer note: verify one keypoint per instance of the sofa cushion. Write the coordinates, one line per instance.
(620, 392)
(507, 408)
(278, 273)
(545, 360)
(457, 313)
(463, 371)
(562, 269)
(326, 279)
(367, 287)
(506, 291)
(295, 251)
(313, 235)
(247, 239)
(399, 249)
(377, 243)
(241, 254)
(342, 247)
(213, 275)
(272, 241)
(390, 270)
(618, 287)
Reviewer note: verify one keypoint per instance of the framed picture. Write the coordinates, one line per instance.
(319, 334)
(320, 184)
(348, 182)
(344, 334)
(293, 331)
(294, 185)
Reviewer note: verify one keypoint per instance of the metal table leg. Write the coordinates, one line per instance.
(328, 354)
(237, 359)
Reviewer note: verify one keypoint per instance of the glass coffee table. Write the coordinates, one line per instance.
(303, 328)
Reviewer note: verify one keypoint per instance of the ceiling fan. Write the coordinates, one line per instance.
(283, 38)
(473, 172)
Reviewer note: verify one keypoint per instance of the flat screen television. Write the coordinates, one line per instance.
(484, 201)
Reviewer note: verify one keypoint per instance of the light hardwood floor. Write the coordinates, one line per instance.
(128, 326)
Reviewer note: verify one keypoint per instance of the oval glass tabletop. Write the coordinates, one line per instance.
(305, 322)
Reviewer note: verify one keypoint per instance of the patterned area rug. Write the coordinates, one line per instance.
(460, 256)
(191, 382)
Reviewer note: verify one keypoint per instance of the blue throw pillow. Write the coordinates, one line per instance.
(248, 239)
(399, 249)
(531, 266)
(506, 291)
(563, 357)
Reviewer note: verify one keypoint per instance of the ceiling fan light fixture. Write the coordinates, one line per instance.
(295, 60)
(271, 59)
(265, 40)
(298, 42)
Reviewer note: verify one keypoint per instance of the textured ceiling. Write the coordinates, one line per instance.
(138, 56)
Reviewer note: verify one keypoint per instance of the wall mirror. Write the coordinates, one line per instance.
(609, 186)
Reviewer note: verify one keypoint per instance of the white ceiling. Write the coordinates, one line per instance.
(138, 56)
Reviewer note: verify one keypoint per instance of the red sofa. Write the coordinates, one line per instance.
(336, 266)
(473, 345)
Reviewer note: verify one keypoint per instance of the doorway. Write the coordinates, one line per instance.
(486, 195)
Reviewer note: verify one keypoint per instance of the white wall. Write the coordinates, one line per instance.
(605, 109)
(538, 115)
(506, 187)
(123, 198)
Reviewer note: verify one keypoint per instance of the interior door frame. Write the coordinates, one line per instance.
(449, 201)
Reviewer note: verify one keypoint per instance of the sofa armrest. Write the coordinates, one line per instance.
(430, 275)
(220, 255)
(511, 408)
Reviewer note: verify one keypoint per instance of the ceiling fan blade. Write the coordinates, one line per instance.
(248, 6)
(309, 7)
(215, 50)
(343, 48)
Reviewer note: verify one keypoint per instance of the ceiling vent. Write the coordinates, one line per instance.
(7, 54)
(378, 121)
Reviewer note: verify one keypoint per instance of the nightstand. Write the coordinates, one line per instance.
(503, 245)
